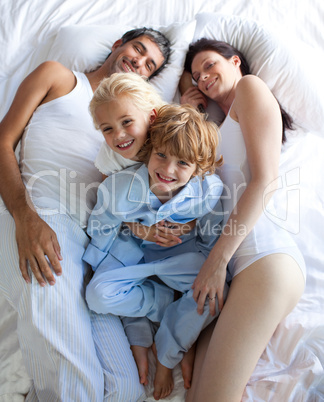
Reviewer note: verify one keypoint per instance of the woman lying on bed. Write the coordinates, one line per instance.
(266, 267)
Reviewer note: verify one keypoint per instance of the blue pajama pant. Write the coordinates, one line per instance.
(129, 291)
(71, 353)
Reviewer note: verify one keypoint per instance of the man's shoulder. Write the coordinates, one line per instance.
(53, 66)
(54, 77)
(53, 69)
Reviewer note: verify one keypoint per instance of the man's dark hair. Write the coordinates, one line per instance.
(157, 37)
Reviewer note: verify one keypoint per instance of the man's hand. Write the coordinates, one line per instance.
(38, 246)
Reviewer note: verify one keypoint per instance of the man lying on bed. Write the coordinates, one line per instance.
(70, 353)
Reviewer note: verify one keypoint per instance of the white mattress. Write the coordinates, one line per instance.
(292, 364)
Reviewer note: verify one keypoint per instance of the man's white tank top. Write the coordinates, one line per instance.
(235, 173)
(58, 149)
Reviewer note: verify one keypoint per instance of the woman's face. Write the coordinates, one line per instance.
(215, 76)
(123, 125)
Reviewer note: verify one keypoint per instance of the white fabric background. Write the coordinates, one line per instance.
(291, 368)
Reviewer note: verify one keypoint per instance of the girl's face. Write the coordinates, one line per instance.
(124, 126)
(168, 174)
(215, 76)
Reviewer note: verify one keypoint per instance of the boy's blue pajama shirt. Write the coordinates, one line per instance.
(124, 264)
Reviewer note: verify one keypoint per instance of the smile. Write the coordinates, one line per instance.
(125, 144)
(210, 84)
(165, 178)
(127, 67)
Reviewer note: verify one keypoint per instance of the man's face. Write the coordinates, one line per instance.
(140, 55)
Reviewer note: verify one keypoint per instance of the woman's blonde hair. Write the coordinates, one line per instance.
(183, 131)
(138, 89)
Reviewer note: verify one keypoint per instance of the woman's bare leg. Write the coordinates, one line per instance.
(259, 298)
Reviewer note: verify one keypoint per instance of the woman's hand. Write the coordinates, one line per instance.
(209, 284)
(190, 93)
(194, 97)
(37, 244)
(165, 234)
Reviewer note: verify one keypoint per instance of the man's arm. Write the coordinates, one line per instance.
(35, 239)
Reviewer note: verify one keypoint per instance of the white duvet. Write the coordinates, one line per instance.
(291, 367)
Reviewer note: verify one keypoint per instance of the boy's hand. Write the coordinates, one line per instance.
(165, 234)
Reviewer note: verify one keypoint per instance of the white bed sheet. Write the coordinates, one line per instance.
(291, 368)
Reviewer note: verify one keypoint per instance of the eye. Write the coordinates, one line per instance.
(160, 155)
(138, 49)
(183, 163)
(127, 122)
(149, 66)
(106, 130)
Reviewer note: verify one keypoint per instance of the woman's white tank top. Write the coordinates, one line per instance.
(235, 174)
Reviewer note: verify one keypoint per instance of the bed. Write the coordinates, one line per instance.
(284, 43)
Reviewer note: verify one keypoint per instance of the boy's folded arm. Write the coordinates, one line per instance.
(161, 233)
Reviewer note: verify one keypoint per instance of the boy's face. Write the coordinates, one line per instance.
(124, 126)
(168, 174)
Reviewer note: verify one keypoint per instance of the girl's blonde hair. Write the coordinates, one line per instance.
(138, 89)
(183, 131)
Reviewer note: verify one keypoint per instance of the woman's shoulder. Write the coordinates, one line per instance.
(250, 82)
(252, 85)
(249, 92)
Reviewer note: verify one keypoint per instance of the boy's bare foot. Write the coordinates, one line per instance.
(187, 366)
(163, 382)
(140, 354)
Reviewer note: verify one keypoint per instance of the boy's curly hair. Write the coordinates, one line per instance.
(182, 131)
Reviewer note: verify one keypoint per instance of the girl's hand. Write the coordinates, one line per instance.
(209, 284)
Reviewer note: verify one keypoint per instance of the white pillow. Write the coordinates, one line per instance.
(286, 71)
(84, 48)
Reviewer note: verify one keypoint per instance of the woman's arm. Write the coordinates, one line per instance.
(190, 93)
(35, 239)
(258, 114)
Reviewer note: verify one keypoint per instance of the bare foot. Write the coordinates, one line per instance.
(140, 354)
(187, 366)
(163, 382)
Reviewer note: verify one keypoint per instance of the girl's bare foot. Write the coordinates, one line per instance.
(187, 366)
(163, 382)
(140, 354)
